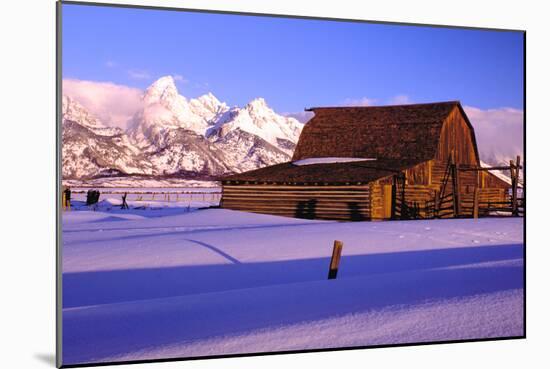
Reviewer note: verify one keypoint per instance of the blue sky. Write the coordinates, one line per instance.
(292, 63)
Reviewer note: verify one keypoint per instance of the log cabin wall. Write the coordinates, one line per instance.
(308, 202)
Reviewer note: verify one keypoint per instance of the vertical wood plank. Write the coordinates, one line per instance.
(393, 196)
(476, 202)
(388, 200)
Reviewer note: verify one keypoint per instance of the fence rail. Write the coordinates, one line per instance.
(167, 196)
(121, 192)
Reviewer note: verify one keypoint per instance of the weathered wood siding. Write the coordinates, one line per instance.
(456, 136)
(309, 202)
(377, 200)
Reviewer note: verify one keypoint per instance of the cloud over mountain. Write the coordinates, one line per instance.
(499, 133)
(113, 104)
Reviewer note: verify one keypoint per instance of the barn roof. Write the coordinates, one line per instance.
(390, 132)
(330, 173)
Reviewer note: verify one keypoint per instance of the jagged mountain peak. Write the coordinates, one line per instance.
(258, 119)
(209, 98)
(162, 89)
(258, 103)
(163, 109)
(208, 106)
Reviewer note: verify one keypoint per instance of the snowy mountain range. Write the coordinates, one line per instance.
(171, 135)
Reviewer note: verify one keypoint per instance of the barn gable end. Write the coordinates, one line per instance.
(457, 135)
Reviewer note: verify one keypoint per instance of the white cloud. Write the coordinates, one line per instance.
(400, 100)
(367, 101)
(113, 104)
(138, 74)
(179, 78)
(301, 116)
(499, 133)
(362, 101)
(110, 64)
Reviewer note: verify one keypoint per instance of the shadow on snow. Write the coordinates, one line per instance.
(104, 287)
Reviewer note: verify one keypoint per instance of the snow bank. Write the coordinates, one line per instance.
(143, 286)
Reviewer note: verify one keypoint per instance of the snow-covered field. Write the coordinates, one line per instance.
(139, 182)
(177, 282)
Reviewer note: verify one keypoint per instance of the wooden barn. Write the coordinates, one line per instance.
(374, 163)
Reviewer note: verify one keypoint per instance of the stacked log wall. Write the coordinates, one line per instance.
(309, 202)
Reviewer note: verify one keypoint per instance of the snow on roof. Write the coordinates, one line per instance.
(310, 161)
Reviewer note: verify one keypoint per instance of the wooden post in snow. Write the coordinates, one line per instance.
(66, 199)
(335, 259)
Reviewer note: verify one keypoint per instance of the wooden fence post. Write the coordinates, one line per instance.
(513, 175)
(335, 259)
